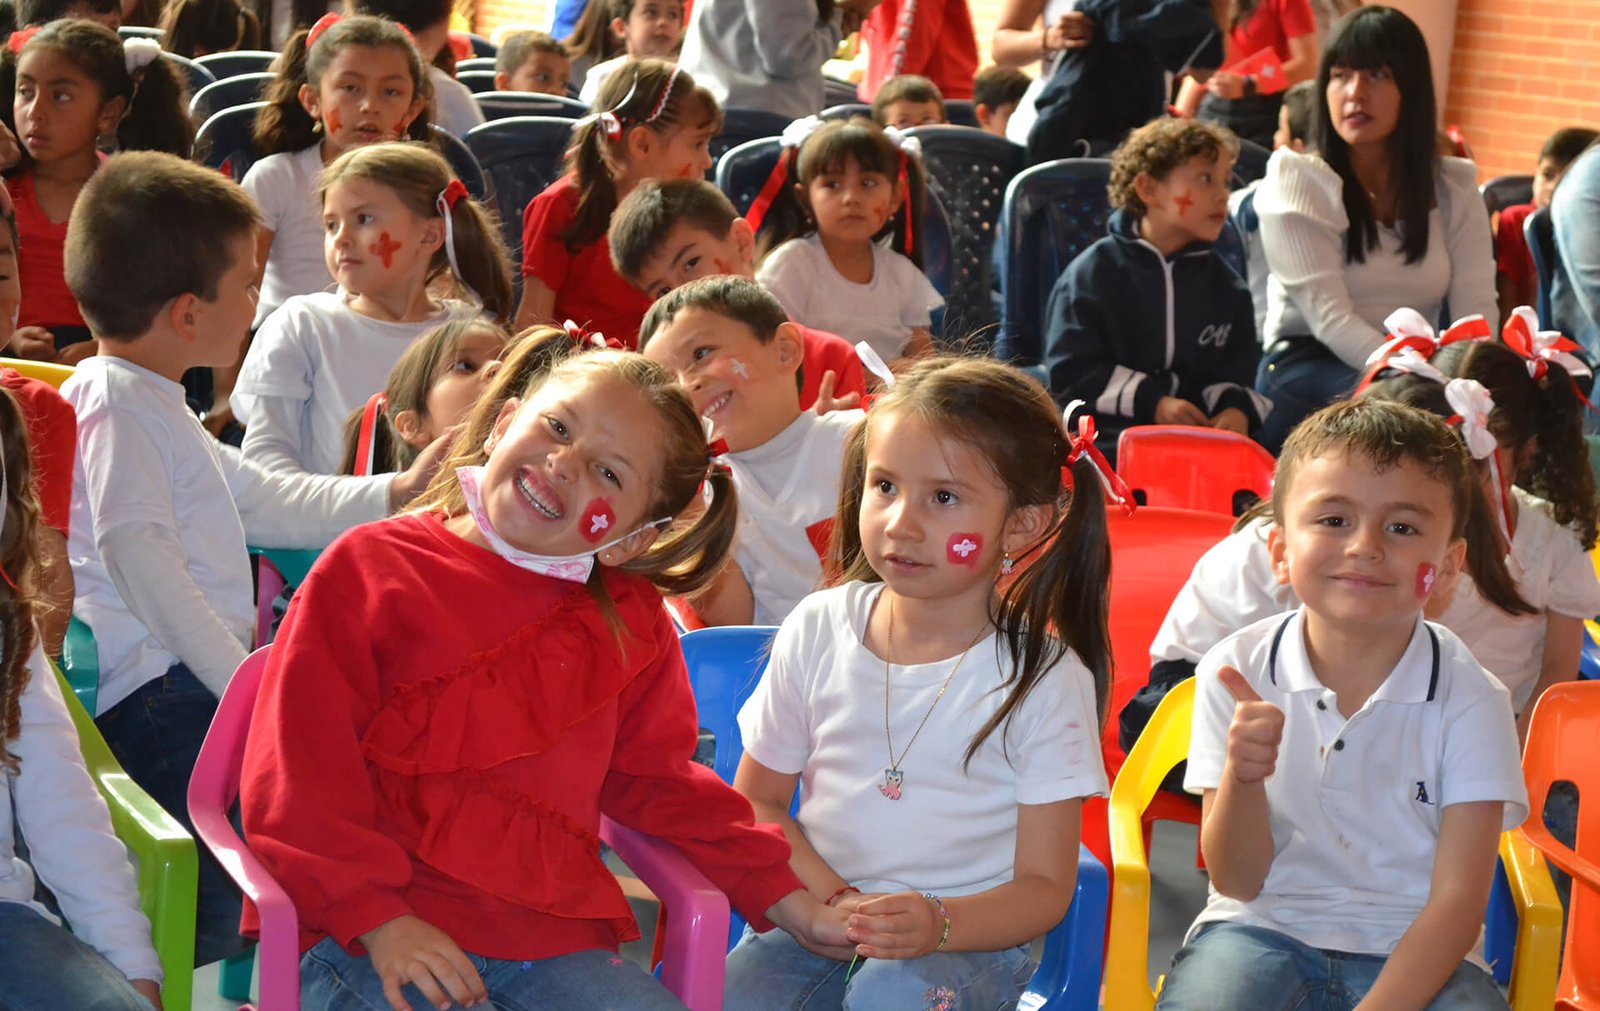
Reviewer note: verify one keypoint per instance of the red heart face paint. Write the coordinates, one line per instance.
(1184, 201)
(384, 249)
(1426, 574)
(331, 121)
(964, 549)
(598, 519)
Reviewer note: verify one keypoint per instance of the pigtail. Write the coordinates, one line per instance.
(687, 558)
(157, 118)
(249, 36)
(597, 190)
(283, 123)
(1560, 472)
(480, 257)
(906, 225)
(787, 217)
(846, 561)
(18, 561)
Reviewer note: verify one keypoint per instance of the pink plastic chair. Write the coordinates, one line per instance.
(1184, 467)
(696, 941)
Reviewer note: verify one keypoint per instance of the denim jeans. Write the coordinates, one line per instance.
(45, 968)
(1299, 376)
(155, 734)
(331, 979)
(1229, 965)
(768, 972)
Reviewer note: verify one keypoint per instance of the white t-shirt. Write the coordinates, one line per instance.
(788, 496)
(1232, 586)
(454, 108)
(313, 362)
(285, 188)
(818, 712)
(1553, 573)
(882, 312)
(1355, 804)
(596, 77)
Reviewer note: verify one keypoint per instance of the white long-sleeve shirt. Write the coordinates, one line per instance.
(761, 54)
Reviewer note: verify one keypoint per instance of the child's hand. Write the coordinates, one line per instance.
(1226, 84)
(826, 401)
(1177, 411)
(409, 483)
(408, 949)
(1231, 419)
(34, 342)
(149, 989)
(1255, 733)
(818, 927)
(1076, 30)
(901, 925)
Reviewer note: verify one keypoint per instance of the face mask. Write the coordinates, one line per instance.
(571, 568)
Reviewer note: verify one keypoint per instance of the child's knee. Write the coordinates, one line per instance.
(1231, 966)
(953, 981)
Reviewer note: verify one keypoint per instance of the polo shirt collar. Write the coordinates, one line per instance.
(1414, 679)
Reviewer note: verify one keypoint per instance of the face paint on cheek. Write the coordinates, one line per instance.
(1425, 577)
(740, 369)
(963, 549)
(598, 520)
(384, 249)
(332, 121)
(400, 128)
(1184, 201)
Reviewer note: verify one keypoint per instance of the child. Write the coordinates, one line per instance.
(1515, 278)
(907, 101)
(532, 61)
(956, 474)
(428, 21)
(651, 121)
(668, 232)
(73, 82)
(106, 961)
(819, 246)
(347, 82)
(1149, 325)
(733, 347)
(396, 220)
(995, 94)
(1357, 766)
(1294, 132)
(431, 390)
(648, 28)
(431, 801)
(591, 41)
(200, 27)
(1294, 117)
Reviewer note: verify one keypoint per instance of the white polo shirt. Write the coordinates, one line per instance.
(1355, 802)
(1231, 586)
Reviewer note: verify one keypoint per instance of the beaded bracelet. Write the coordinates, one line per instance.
(840, 893)
(944, 938)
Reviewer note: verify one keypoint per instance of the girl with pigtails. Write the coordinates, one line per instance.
(73, 82)
(840, 188)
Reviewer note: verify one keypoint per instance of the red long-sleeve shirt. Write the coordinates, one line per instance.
(438, 733)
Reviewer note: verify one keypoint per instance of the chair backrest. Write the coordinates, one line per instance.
(1230, 248)
(227, 92)
(1540, 235)
(46, 372)
(1052, 212)
(725, 664)
(239, 61)
(481, 47)
(223, 141)
(969, 170)
(961, 112)
(476, 63)
(462, 163)
(743, 170)
(505, 104)
(139, 32)
(1185, 467)
(1506, 191)
(520, 156)
(1251, 163)
(740, 125)
(477, 81)
(846, 110)
(837, 92)
(195, 76)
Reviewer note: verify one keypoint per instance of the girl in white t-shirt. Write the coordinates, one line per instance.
(395, 220)
(943, 730)
(840, 190)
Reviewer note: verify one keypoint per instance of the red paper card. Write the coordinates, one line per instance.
(1266, 68)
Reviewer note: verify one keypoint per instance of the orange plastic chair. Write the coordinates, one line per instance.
(1184, 467)
(1561, 746)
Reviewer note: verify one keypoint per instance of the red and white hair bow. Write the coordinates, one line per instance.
(1082, 445)
(1540, 347)
(581, 336)
(794, 135)
(1473, 407)
(1409, 331)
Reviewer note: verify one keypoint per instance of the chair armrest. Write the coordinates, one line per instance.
(1127, 974)
(1068, 976)
(278, 954)
(1582, 869)
(697, 929)
(1537, 961)
(167, 867)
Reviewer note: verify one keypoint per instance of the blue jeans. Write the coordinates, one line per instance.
(1228, 965)
(155, 734)
(45, 967)
(1299, 376)
(770, 971)
(332, 979)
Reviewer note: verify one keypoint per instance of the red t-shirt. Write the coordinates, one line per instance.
(942, 46)
(52, 441)
(1273, 24)
(825, 352)
(41, 267)
(1511, 254)
(588, 290)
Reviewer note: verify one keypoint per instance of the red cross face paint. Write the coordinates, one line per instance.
(964, 549)
(1184, 201)
(332, 122)
(400, 128)
(384, 249)
(598, 519)
(1426, 574)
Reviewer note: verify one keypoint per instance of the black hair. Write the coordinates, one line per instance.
(998, 87)
(1300, 102)
(1564, 146)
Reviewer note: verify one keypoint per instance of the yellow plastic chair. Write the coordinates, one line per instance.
(48, 372)
(1537, 962)
(164, 857)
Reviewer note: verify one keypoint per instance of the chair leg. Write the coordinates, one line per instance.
(233, 976)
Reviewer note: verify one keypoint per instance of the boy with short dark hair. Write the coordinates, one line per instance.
(731, 344)
(532, 61)
(1295, 116)
(1294, 133)
(1149, 325)
(648, 28)
(907, 101)
(1515, 278)
(668, 232)
(995, 94)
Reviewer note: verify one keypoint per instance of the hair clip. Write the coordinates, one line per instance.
(874, 363)
(323, 24)
(799, 131)
(609, 122)
(20, 37)
(581, 336)
(138, 53)
(445, 204)
(1082, 445)
(666, 93)
(907, 145)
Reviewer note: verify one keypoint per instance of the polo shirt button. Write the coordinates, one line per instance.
(1338, 745)
(1321, 704)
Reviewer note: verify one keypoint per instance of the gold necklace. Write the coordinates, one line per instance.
(893, 778)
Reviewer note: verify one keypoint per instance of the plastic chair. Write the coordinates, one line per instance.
(194, 74)
(80, 664)
(740, 125)
(1506, 191)
(1251, 163)
(476, 63)
(462, 163)
(227, 92)
(1541, 238)
(1185, 467)
(139, 32)
(505, 104)
(239, 61)
(48, 372)
(277, 569)
(837, 92)
(961, 112)
(1051, 213)
(1230, 249)
(165, 862)
(482, 47)
(743, 170)
(846, 110)
(969, 170)
(477, 81)
(520, 156)
(223, 141)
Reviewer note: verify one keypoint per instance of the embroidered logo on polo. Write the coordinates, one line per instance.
(1422, 793)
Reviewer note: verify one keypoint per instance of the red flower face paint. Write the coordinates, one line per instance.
(332, 122)
(1184, 201)
(598, 519)
(964, 549)
(384, 249)
(1426, 574)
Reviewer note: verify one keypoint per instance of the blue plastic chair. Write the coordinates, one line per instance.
(477, 81)
(1230, 247)
(1541, 238)
(743, 170)
(726, 663)
(476, 63)
(1506, 191)
(482, 47)
(1251, 163)
(520, 156)
(740, 125)
(223, 141)
(194, 75)
(846, 110)
(462, 162)
(139, 32)
(837, 92)
(227, 92)
(505, 104)
(961, 112)
(1052, 212)
(240, 61)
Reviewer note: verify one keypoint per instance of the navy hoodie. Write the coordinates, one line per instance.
(1126, 326)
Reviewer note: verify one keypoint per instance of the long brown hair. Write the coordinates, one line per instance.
(1059, 602)
(197, 27)
(18, 559)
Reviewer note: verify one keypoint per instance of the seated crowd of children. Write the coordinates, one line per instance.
(508, 467)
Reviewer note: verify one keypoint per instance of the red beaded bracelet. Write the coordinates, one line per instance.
(843, 891)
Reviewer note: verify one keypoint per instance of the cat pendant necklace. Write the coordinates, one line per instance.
(893, 778)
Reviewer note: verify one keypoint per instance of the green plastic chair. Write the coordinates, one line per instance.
(164, 856)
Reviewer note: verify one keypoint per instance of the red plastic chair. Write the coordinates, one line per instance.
(1184, 467)
(696, 942)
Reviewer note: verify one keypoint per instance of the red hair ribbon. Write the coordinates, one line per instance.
(454, 190)
(582, 336)
(20, 37)
(1541, 347)
(325, 22)
(904, 182)
(376, 404)
(1410, 334)
(1082, 445)
(717, 447)
(770, 190)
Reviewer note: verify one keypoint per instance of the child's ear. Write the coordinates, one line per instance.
(982, 113)
(1455, 557)
(502, 421)
(790, 346)
(311, 101)
(502, 82)
(183, 314)
(1145, 187)
(619, 28)
(1025, 527)
(408, 425)
(1277, 550)
(433, 234)
(744, 240)
(638, 141)
(111, 114)
(629, 548)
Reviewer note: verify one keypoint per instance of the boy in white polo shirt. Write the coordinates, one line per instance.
(1357, 766)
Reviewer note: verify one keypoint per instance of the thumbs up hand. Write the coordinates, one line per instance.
(1255, 733)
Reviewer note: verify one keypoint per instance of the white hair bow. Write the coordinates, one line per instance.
(1473, 405)
(797, 132)
(911, 147)
(1409, 359)
(138, 53)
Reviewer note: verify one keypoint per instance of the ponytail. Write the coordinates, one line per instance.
(480, 257)
(1486, 562)
(1560, 472)
(685, 559)
(158, 112)
(283, 124)
(194, 27)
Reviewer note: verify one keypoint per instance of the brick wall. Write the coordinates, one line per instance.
(1520, 70)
